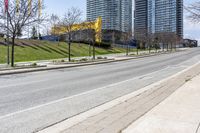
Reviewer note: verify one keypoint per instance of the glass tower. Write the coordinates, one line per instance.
(116, 14)
(161, 16)
(141, 19)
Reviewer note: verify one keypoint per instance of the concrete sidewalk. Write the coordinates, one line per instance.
(49, 65)
(179, 113)
(108, 56)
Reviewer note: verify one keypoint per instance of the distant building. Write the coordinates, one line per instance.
(158, 16)
(190, 43)
(50, 38)
(116, 14)
(141, 18)
(80, 31)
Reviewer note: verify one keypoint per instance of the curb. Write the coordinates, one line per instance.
(11, 72)
(178, 80)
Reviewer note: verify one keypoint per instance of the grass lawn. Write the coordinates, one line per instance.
(32, 50)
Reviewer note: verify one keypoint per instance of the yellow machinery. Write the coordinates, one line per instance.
(94, 25)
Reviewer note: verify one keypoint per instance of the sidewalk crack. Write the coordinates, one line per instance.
(198, 128)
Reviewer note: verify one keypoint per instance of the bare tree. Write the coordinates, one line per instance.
(142, 38)
(150, 40)
(194, 10)
(127, 36)
(169, 38)
(45, 28)
(19, 17)
(71, 17)
(54, 19)
(90, 34)
(173, 40)
(163, 38)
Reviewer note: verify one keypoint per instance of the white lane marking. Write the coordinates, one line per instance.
(26, 83)
(61, 126)
(84, 93)
(138, 77)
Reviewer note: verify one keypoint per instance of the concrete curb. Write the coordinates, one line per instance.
(177, 79)
(10, 72)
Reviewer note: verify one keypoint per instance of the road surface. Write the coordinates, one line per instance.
(33, 101)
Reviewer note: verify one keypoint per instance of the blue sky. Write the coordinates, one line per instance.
(60, 6)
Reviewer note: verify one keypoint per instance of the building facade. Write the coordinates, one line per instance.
(116, 14)
(159, 16)
(141, 19)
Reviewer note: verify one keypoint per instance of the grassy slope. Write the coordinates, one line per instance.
(31, 50)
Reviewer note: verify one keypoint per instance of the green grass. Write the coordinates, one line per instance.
(32, 50)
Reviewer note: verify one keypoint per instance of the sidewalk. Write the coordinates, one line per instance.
(179, 113)
(109, 56)
(25, 67)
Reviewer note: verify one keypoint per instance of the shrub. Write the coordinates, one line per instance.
(103, 44)
(73, 60)
(34, 64)
(83, 59)
(99, 57)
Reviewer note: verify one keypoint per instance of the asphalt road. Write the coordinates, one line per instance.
(32, 101)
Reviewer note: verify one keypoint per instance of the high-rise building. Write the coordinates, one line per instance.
(141, 20)
(159, 16)
(116, 14)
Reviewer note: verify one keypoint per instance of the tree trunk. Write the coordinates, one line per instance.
(13, 52)
(163, 48)
(171, 47)
(8, 51)
(167, 46)
(137, 48)
(149, 48)
(93, 51)
(69, 48)
(69, 51)
(127, 49)
(156, 47)
(90, 49)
